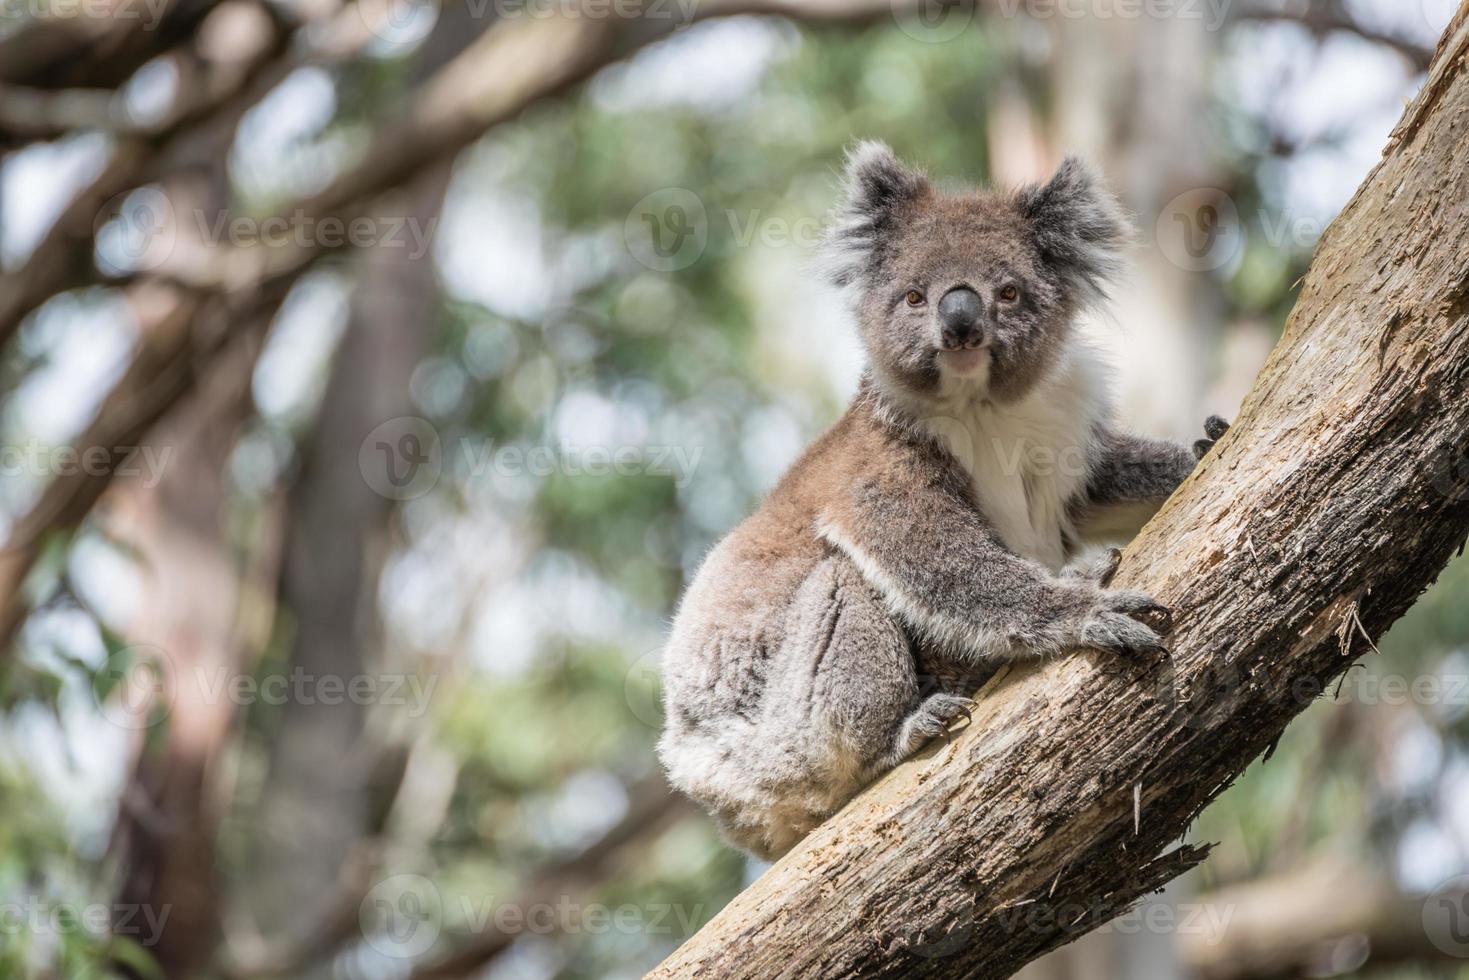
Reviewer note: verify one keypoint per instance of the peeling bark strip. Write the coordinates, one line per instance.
(1336, 498)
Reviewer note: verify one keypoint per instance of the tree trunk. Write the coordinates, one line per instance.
(1338, 496)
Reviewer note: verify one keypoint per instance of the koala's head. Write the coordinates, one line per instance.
(970, 291)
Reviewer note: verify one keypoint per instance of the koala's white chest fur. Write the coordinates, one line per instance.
(1027, 459)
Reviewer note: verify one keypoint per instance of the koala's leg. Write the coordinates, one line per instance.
(1129, 477)
(843, 702)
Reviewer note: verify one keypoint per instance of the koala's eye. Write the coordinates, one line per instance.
(914, 298)
(1009, 295)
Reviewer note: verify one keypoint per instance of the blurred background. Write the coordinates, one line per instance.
(376, 372)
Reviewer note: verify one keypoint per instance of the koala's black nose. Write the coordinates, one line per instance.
(960, 311)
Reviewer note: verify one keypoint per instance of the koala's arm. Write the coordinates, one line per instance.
(946, 574)
(1129, 477)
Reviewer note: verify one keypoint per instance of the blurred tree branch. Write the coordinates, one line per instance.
(96, 51)
(1323, 918)
(164, 836)
(224, 90)
(652, 808)
(1336, 498)
(513, 64)
(1325, 18)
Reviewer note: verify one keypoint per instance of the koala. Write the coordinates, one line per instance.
(934, 530)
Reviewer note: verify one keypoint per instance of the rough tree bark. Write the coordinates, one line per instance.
(1337, 497)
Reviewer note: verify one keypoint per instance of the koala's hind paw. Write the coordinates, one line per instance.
(1214, 428)
(937, 711)
(931, 719)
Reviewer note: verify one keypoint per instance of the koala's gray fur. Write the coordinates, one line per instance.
(925, 537)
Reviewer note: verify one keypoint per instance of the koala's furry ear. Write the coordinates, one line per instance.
(875, 187)
(1079, 228)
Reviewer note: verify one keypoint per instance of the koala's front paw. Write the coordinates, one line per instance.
(1214, 428)
(1127, 622)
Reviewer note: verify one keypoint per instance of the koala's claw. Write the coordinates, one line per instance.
(1116, 632)
(930, 720)
(1142, 607)
(938, 711)
(1214, 428)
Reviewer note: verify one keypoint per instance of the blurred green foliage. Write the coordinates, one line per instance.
(683, 355)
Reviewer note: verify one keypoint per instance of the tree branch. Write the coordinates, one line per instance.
(1335, 499)
(64, 253)
(1309, 922)
(512, 66)
(98, 48)
(651, 810)
(1321, 21)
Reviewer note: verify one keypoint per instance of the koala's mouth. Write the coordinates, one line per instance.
(964, 362)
